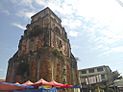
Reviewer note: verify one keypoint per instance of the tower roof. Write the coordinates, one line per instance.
(47, 10)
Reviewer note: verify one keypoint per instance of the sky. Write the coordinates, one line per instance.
(94, 28)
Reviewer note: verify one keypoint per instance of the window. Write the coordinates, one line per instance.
(57, 30)
(83, 71)
(59, 43)
(99, 69)
(91, 70)
(102, 76)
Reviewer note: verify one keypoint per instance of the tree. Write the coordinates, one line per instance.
(116, 75)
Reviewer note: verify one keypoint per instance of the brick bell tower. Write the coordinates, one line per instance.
(43, 52)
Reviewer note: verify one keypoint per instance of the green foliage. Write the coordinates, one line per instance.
(116, 75)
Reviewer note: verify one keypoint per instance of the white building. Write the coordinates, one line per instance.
(95, 76)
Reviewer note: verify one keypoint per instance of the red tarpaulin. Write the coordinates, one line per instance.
(10, 86)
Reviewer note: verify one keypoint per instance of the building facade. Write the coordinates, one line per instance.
(96, 78)
(43, 52)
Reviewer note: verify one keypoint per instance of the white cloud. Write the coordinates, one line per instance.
(19, 26)
(108, 15)
(29, 14)
(102, 24)
(71, 23)
(116, 50)
(5, 12)
(62, 6)
(25, 14)
(104, 38)
(73, 33)
(41, 2)
(112, 50)
(75, 46)
(28, 3)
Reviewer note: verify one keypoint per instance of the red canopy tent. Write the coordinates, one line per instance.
(17, 83)
(52, 83)
(67, 86)
(28, 83)
(5, 86)
(56, 84)
(41, 82)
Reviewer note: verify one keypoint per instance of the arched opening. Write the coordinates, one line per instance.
(57, 30)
